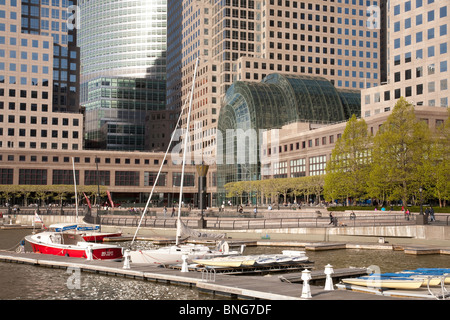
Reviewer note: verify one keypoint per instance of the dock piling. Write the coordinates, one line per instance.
(329, 280)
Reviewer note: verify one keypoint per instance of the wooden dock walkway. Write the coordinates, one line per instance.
(232, 286)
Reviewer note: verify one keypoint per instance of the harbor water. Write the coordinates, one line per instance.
(27, 282)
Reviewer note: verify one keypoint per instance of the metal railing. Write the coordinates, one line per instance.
(261, 223)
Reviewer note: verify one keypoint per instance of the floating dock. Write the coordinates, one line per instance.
(208, 281)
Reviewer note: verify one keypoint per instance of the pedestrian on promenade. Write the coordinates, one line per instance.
(173, 211)
(331, 217)
(165, 211)
(407, 214)
(432, 214)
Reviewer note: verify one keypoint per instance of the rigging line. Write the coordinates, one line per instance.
(186, 137)
(159, 172)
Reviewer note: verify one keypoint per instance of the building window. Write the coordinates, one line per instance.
(65, 177)
(298, 168)
(280, 169)
(6, 176)
(127, 178)
(150, 177)
(317, 165)
(90, 177)
(189, 179)
(33, 176)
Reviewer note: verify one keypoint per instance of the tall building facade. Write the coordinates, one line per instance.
(27, 119)
(249, 39)
(123, 69)
(418, 59)
(50, 18)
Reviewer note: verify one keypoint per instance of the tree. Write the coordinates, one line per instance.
(349, 165)
(398, 153)
(437, 165)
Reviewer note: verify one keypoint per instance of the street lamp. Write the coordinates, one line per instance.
(421, 202)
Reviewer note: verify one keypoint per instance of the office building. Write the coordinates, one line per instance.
(247, 40)
(123, 69)
(27, 119)
(49, 18)
(419, 57)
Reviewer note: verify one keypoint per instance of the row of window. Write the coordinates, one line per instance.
(33, 132)
(93, 177)
(23, 94)
(297, 168)
(420, 36)
(431, 87)
(57, 159)
(33, 145)
(407, 23)
(407, 6)
(304, 144)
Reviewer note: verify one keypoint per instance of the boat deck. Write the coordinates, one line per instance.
(267, 287)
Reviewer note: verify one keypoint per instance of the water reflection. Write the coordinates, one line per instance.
(20, 281)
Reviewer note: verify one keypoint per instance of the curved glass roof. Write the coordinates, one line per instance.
(275, 101)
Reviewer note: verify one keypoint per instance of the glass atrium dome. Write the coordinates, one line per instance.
(249, 108)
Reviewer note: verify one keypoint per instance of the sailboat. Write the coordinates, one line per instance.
(67, 240)
(174, 254)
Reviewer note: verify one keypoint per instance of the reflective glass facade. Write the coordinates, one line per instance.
(272, 103)
(121, 40)
(116, 111)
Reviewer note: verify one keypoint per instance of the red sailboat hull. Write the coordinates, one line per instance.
(99, 237)
(99, 252)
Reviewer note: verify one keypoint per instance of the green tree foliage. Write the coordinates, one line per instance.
(349, 166)
(400, 149)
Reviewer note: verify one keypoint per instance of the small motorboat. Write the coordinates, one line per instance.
(385, 282)
(72, 245)
(428, 280)
(231, 261)
(90, 233)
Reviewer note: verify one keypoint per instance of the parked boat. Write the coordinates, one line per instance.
(386, 283)
(89, 233)
(233, 262)
(427, 280)
(174, 254)
(72, 245)
(255, 260)
(442, 273)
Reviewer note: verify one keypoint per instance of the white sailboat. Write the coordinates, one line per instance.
(174, 254)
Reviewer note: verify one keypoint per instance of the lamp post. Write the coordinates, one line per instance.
(421, 218)
(202, 170)
(421, 202)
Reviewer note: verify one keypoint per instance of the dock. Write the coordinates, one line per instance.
(234, 287)
(320, 276)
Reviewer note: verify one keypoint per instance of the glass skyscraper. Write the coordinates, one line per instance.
(123, 69)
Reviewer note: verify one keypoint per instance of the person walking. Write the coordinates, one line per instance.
(331, 217)
(432, 214)
(165, 211)
(173, 211)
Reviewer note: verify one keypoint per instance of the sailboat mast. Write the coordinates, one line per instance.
(157, 178)
(75, 184)
(186, 136)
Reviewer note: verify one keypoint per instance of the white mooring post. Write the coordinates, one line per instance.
(184, 267)
(306, 276)
(329, 280)
(89, 253)
(126, 259)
